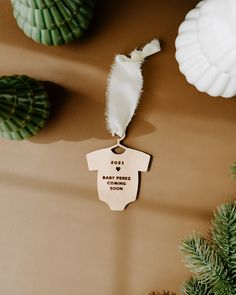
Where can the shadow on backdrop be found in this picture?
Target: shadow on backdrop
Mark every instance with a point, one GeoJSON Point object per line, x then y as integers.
{"type": "Point", "coordinates": [75, 117]}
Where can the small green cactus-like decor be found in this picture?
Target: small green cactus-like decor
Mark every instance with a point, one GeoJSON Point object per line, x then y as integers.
{"type": "Point", "coordinates": [53, 22]}
{"type": "Point", "coordinates": [24, 107]}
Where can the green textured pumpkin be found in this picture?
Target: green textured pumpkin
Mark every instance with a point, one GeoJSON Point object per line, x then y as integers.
{"type": "Point", "coordinates": [24, 107]}
{"type": "Point", "coordinates": [53, 22]}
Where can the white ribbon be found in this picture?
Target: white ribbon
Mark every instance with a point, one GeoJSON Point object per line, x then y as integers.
{"type": "Point", "coordinates": [124, 88]}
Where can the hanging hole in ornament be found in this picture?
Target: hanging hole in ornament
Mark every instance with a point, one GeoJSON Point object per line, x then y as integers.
{"type": "Point", "coordinates": [118, 149]}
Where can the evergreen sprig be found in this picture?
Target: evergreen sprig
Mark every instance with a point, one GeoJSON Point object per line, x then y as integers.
{"type": "Point", "coordinates": [224, 238]}
{"type": "Point", "coordinates": [213, 260]}
{"type": "Point", "coordinates": [233, 169]}
{"type": "Point", "coordinates": [195, 287]}
{"type": "Point", "coordinates": [163, 293]}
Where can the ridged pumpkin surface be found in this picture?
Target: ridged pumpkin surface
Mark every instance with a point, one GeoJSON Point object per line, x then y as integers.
{"type": "Point", "coordinates": [24, 107]}
{"type": "Point", "coordinates": [53, 22]}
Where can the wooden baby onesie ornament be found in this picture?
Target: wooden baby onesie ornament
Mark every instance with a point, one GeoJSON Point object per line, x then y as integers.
{"type": "Point", "coordinates": [118, 173]}
{"type": "Point", "coordinates": [117, 178]}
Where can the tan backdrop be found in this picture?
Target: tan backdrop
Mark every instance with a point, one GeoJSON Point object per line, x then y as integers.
{"type": "Point", "coordinates": [56, 237]}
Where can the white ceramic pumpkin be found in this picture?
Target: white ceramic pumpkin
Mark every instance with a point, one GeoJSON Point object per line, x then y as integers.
{"type": "Point", "coordinates": [206, 47]}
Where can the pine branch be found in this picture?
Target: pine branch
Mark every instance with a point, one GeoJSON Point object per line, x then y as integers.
{"type": "Point", "coordinates": [214, 260]}
{"type": "Point", "coordinates": [233, 169]}
{"type": "Point", "coordinates": [195, 287]}
{"type": "Point", "coordinates": [224, 237]}
{"type": "Point", "coordinates": [202, 259]}
{"type": "Point", "coordinates": [163, 293]}
{"type": "Point", "coordinates": [223, 289]}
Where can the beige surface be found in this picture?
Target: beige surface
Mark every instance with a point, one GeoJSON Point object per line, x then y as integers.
{"type": "Point", "coordinates": [56, 237]}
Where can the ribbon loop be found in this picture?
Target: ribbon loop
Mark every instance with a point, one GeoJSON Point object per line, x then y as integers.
{"type": "Point", "coordinates": [124, 88]}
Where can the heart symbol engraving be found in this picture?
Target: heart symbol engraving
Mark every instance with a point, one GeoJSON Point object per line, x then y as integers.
{"type": "Point", "coordinates": [118, 168]}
